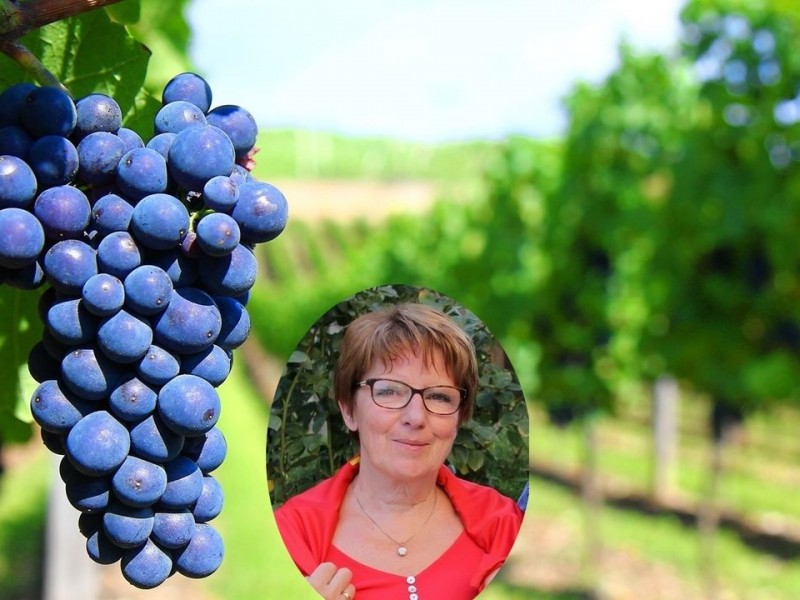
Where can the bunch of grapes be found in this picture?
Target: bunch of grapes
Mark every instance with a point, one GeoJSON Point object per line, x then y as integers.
{"type": "Point", "coordinates": [145, 252]}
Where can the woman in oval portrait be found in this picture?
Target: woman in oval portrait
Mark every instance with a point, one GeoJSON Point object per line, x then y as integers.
{"type": "Point", "coordinates": [417, 496]}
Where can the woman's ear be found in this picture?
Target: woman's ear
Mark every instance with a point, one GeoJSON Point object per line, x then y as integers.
{"type": "Point", "coordinates": [348, 415]}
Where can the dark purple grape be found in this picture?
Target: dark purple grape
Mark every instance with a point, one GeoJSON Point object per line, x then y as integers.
{"type": "Point", "coordinates": [261, 211]}
{"type": "Point", "coordinates": [182, 270]}
{"type": "Point", "coordinates": [49, 111]}
{"type": "Point", "coordinates": [128, 526]}
{"type": "Point", "coordinates": [209, 504]}
{"type": "Point", "coordinates": [201, 556]}
{"type": "Point", "coordinates": [54, 160]}
{"type": "Point", "coordinates": [139, 482]}
{"type": "Point", "coordinates": [17, 183]}
{"type": "Point", "coordinates": [235, 322]}
{"type": "Point", "coordinates": [96, 112]}
{"type": "Point", "coordinates": [159, 221]}
{"type": "Point", "coordinates": [198, 154]}
{"type": "Point", "coordinates": [54, 442]}
{"type": "Point", "coordinates": [21, 238]}
{"type": "Point", "coordinates": [89, 374]}
{"type": "Point", "coordinates": [101, 549]}
{"type": "Point", "coordinates": [217, 234]}
{"type": "Point", "coordinates": [118, 254]}
{"type": "Point", "coordinates": [189, 87]}
{"type": "Point", "coordinates": [190, 323]}
{"type": "Point", "coordinates": [69, 264]}
{"type": "Point", "coordinates": [158, 366]}
{"type": "Point", "coordinates": [173, 529]}
{"type": "Point", "coordinates": [161, 143]}
{"type": "Point", "coordinates": [177, 116]}
{"type": "Point", "coordinates": [231, 275]}
{"type": "Point", "coordinates": [146, 566]}
{"type": "Point", "coordinates": [110, 213]}
{"type": "Point", "coordinates": [103, 295]}
{"type": "Point", "coordinates": [141, 172]}
{"type": "Point", "coordinates": [131, 138]}
{"type": "Point", "coordinates": [124, 337]}
{"type": "Point", "coordinates": [238, 124]}
{"type": "Point", "coordinates": [220, 193]}
{"type": "Point", "coordinates": [97, 444]}
{"type": "Point", "coordinates": [29, 277]}
{"type": "Point", "coordinates": [208, 450]}
{"type": "Point", "coordinates": [152, 440]}
{"type": "Point", "coordinates": [184, 484]}
{"type": "Point", "coordinates": [15, 141]}
{"type": "Point", "coordinates": [148, 289]}
{"type": "Point", "coordinates": [132, 400]}
{"type": "Point", "coordinates": [12, 100]}
{"type": "Point", "coordinates": [212, 364]}
{"type": "Point", "coordinates": [87, 493]}
{"type": "Point", "coordinates": [41, 366]}
{"type": "Point", "coordinates": [189, 405]}
{"type": "Point", "coordinates": [64, 212]}
{"type": "Point", "coordinates": [70, 322]}
{"type": "Point", "coordinates": [57, 410]}
{"type": "Point", "coordinates": [99, 155]}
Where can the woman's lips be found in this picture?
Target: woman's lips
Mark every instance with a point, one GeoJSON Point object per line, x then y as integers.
{"type": "Point", "coordinates": [412, 443]}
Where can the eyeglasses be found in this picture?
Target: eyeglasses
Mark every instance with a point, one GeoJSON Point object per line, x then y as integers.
{"type": "Point", "coordinates": [438, 399]}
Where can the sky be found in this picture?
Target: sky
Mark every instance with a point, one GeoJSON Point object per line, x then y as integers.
{"type": "Point", "coordinates": [424, 70]}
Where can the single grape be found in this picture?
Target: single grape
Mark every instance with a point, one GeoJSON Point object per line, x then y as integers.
{"type": "Point", "coordinates": [54, 160]}
{"type": "Point", "coordinates": [15, 141]}
{"type": "Point", "coordinates": [131, 138]}
{"type": "Point", "coordinates": [159, 221]}
{"type": "Point", "coordinates": [103, 294]}
{"type": "Point", "coordinates": [89, 374]}
{"type": "Point", "coordinates": [96, 112]}
{"type": "Point", "coordinates": [70, 322]}
{"type": "Point", "coordinates": [146, 566]}
{"type": "Point", "coordinates": [64, 212]}
{"type": "Point", "coordinates": [54, 442]}
{"type": "Point", "coordinates": [217, 234]}
{"type": "Point", "coordinates": [209, 504]}
{"type": "Point", "coordinates": [202, 555]}
{"type": "Point", "coordinates": [12, 100]}
{"type": "Point", "coordinates": [21, 238]}
{"type": "Point", "coordinates": [220, 193]}
{"type": "Point", "coordinates": [208, 450]}
{"type": "Point", "coordinates": [17, 183]}
{"type": "Point", "coordinates": [261, 211]}
{"type": "Point", "coordinates": [118, 254]}
{"type": "Point", "coordinates": [158, 366]}
{"type": "Point", "coordinates": [41, 366]}
{"type": "Point", "coordinates": [141, 172]}
{"type": "Point", "coordinates": [235, 322]}
{"type": "Point", "coordinates": [212, 364]}
{"type": "Point", "coordinates": [87, 493]}
{"type": "Point", "coordinates": [184, 484]}
{"type": "Point", "coordinates": [182, 270]}
{"type": "Point", "coordinates": [138, 482]}
{"type": "Point", "coordinates": [101, 549]}
{"type": "Point", "coordinates": [111, 212]}
{"type": "Point", "coordinates": [173, 529]}
{"type": "Point", "coordinates": [132, 400]}
{"type": "Point", "coordinates": [128, 526]}
{"type": "Point", "coordinates": [152, 440]}
{"type": "Point", "coordinates": [231, 275]}
{"type": "Point", "coordinates": [198, 154]}
{"type": "Point", "coordinates": [190, 323]}
{"type": "Point", "coordinates": [189, 405]}
{"type": "Point", "coordinates": [99, 154]}
{"type": "Point", "coordinates": [49, 111]}
{"type": "Point", "coordinates": [238, 124]}
{"type": "Point", "coordinates": [97, 444]}
{"type": "Point", "coordinates": [148, 289]}
{"type": "Point", "coordinates": [189, 87]}
{"type": "Point", "coordinates": [124, 337]}
{"type": "Point", "coordinates": [161, 143]}
{"type": "Point", "coordinates": [177, 116]}
{"type": "Point", "coordinates": [28, 277]}
{"type": "Point", "coordinates": [69, 264]}
{"type": "Point", "coordinates": [56, 409]}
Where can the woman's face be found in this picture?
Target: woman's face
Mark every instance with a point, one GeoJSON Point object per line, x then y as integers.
{"type": "Point", "coordinates": [409, 442]}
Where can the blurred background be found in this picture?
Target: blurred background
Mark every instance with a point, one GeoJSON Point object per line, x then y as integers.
{"type": "Point", "coordinates": [613, 188]}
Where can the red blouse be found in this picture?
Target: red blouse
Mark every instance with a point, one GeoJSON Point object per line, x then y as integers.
{"type": "Point", "coordinates": [491, 523]}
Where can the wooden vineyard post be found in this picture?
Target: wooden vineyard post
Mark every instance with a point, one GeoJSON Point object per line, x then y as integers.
{"type": "Point", "coordinates": [666, 398]}
{"type": "Point", "coordinates": [69, 573]}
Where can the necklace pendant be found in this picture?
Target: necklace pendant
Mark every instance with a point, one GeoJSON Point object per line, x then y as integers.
{"type": "Point", "coordinates": [402, 551]}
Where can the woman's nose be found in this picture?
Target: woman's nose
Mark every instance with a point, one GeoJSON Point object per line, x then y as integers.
{"type": "Point", "coordinates": [415, 410]}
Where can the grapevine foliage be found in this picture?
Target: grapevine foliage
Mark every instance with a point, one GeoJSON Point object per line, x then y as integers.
{"type": "Point", "coordinates": [307, 439]}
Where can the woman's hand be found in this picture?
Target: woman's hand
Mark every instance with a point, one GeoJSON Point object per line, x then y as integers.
{"type": "Point", "coordinates": [332, 583]}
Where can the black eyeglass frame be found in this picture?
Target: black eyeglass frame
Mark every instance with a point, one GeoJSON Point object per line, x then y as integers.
{"type": "Point", "coordinates": [421, 391]}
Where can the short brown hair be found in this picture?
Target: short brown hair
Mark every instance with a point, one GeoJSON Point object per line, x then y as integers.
{"type": "Point", "coordinates": [388, 333]}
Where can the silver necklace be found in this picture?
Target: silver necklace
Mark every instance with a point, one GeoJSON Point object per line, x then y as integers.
{"type": "Point", "coordinates": [402, 547]}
